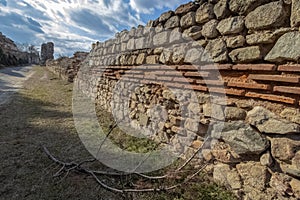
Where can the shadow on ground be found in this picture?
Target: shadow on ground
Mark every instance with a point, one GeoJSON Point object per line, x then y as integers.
{"type": "Point", "coordinates": [39, 115]}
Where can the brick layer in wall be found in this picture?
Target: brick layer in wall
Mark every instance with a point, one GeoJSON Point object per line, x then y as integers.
{"type": "Point", "coordinates": [260, 81]}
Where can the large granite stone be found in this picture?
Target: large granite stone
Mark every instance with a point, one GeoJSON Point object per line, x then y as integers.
{"type": "Point", "coordinates": [246, 54]}
{"type": "Point", "coordinates": [231, 25]}
{"type": "Point", "coordinates": [185, 8]}
{"type": "Point", "coordinates": [227, 177]}
{"type": "Point", "coordinates": [173, 22]}
{"type": "Point", "coordinates": [267, 122]}
{"type": "Point", "coordinates": [253, 174]}
{"type": "Point", "coordinates": [245, 6]}
{"type": "Point", "coordinates": [161, 38]}
{"type": "Point", "coordinates": [284, 149]}
{"type": "Point", "coordinates": [165, 16]}
{"type": "Point", "coordinates": [241, 137]}
{"type": "Point", "coordinates": [192, 33]}
{"type": "Point", "coordinates": [209, 30]}
{"type": "Point", "coordinates": [204, 13]}
{"type": "Point", "coordinates": [221, 9]}
{"type": "Point", "coordinates": [217, 50]}
{"type": "Point", "coordinates": [188, 20]}
{"type": "Point", "coordinates": [235, 41]}
{"type": "Point", "coordinates": [271, 15]}
{"type": "Point", "coordinates": [295, 15]}
{"type": "Point", "coordinates": [286, 48]}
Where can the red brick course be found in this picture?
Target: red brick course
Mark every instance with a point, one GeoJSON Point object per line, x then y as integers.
{"type": "Point", "coordinates": [271, 97]}
{"type": "Point", "coordinates": [276, 78]}
{"type": "Point", "coordinates": [284, 89]}
{"type": "Point", "coordinates": [289, 68]}
{"type": "Point", "coordinates": [256, 67]}
{"type": "Point", "coordinates": [203, 78]}
{"type": "Point", "coordinates": [249, 85]}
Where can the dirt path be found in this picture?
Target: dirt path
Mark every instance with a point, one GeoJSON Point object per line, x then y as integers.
{"type": "Point", "coordinates": [40, 114]}
{"type": "Point", "coordinates": [11, 80]}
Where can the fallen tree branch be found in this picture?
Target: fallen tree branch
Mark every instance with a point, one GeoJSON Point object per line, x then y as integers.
{"type": "Point", "coordinates": [68, 167]}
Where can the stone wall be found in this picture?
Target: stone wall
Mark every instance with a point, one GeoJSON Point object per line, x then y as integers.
{"type": "Point", "coordinates": [66, 67]}
{"type": "Point", "coordinates": [10, 55]}
{"type": "Point", "coordinates": [222, 75]}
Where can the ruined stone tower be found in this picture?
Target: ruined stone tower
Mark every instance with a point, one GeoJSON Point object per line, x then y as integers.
{"type": "Point", "coordinates": [47, 51]}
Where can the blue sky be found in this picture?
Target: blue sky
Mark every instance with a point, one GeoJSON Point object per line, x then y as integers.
{"type": "Point", "coordinates": [75, 24]}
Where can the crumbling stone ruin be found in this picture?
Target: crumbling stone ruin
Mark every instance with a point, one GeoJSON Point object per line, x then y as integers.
{"type": "Point", "coordinates": [224, 73]}
{"type": "Point", "coordinates": [66, 67]}
{"type": "Point", "coordinates": [47, 52]}
{"type": "Point", "coordinates": [10, 55]}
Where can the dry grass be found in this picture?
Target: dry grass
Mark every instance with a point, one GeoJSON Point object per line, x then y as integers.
{"type": "Point", "coordinates": [39, 115]}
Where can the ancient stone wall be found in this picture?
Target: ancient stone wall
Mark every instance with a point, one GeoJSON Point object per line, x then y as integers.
{"type": "Point", "coordinates": [66, 67]}
{"type": "Point", "coordinates": [10, 55]}
{"type": "Point", "coordinates": [222, 75]}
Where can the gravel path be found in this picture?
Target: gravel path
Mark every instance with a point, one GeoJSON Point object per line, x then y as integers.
{"type": "Point", "coordinates": [11, 80]}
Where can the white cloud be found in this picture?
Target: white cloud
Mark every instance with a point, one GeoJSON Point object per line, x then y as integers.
{"type": "Point", "coordinates": [73, 24]}
{"type": "Point", "coordinates": [148, 6]}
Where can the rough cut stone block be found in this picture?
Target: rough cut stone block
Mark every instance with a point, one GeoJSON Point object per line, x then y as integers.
{"type": "Point", "coordinates": [225, 176]}
{"type": "Point", "coordinates": [188, 20]}
{"type": "Point", "coordinates": [193, 56]}
{"type": "Point", "coordinates": [234, 113]}
{"type": "Point", "coordinates": [131, 44]}
{"type": "Point", "coordinates": [268, 16]}
{"type": "Point", "coordinates": [241, 137]}
{"type": "Point", "coordinates": [172, 22]}
{"type": "Point", "coordinates": [217, 50]}
{"type": "Point", "coordinates": [123, 46]}
{"type": "Point", "coordinates": [205, 13]}
{"type": "Point", "coordinates": [152, 59]}
{"type": "Point", "coordinates": [267, 122]}
{"type": "Point", "coordinates": [166, 57]}
{"type": "Point", "coordinates": [254, 174]}
{"type": "Point", "coordinates": [179, 54]}
{"type": "Point", "coordinates": [260, 38]}
{"type": "Point", "coordinates": [131, 33]}
{"type": "Point", "coordinates": [159, 28]}
{"type": "Point", "coordinates": [209, 29]}
{"type": "Point", "coordinates": [245, 6]}
{"type": "Point", "coordinates": [176, 36]}
{"type": "Point", "coordinates": [295, 16]}
{"type": "Point", "coordinates": [286, 48]}
{"type": "Point", "coordinates": [140, 43]}
{"type": "Point", "coordinates": [141, 58]}
{"type": "Point", "coordinates": [284, 149]}
{"type": "Point", "coordinates": [192, 33]}
{"type": "Point", "coordinates": [161, 38]}
{"type": "Point", "coordinates": [185, 8]}
{"type": "Point", "coordinates": [235, 41]}
{"type": "Point", "coordinates": [247, 54]}
{"type": "Point", "coordinates": [139, 32]}
{"type": "Point", "coordinates": [165, 16]}
{"type": "Point", "coordinates": [231, 25]}
{"type": "Point", "coordinates": [221, 9]}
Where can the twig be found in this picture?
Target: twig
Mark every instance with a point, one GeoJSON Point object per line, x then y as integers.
{"type": "Point", "coordinates": [74, 166]}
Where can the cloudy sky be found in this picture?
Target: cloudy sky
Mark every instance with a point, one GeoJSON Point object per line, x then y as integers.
{"type": "Point", "coordinates": [74, 24]}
